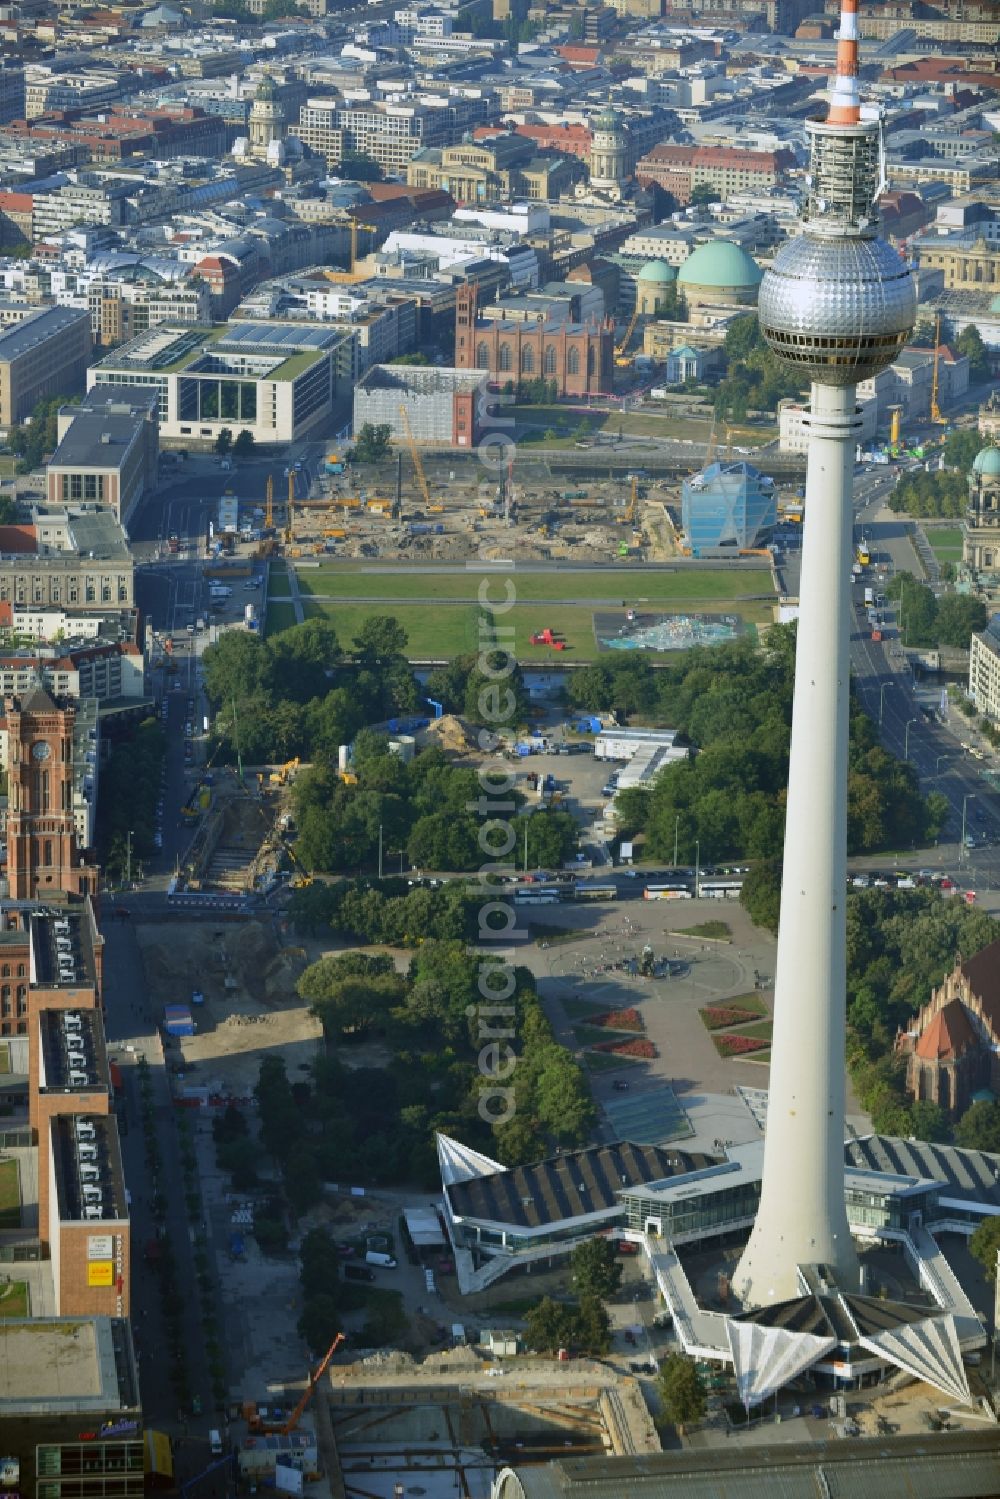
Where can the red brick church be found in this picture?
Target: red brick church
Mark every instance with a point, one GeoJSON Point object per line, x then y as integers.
{"type": "Point", "coordinates": [953, 1045]}
{"type": "Point", "coordinates": [579, 357]}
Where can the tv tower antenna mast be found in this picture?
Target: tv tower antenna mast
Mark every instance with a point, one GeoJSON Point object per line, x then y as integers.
{"type": "Point", "coordinates": [837, 306]}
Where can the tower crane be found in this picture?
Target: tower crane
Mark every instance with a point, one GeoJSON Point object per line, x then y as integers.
{"type": "Point", "coordinates": [935, 388]}
{"type": "Point", "coordinates": [355, 226]}
{"type": "Point", "coordinates": [269, 505]}
{"type": "Point", "coordinates": [290, 507]}
{"type": "Point", "coordinates": [411, 443]}
{"type": "Point", "coordinates": [621, 358]}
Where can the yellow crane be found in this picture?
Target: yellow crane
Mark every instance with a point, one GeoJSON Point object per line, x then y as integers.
{"type": "Point", "coordinates": [355, 226]}
{"type": "Point", "coordinates": [628, 514]}
{"type": "Point", "coordinates": [269, 505]}
{"type": "Point", "coordinates": [621, 358]}
{"type": "Point", "coordinates": [290, 506]}
{"type": "Point", "coordinates": [414, 451]}
{"type": "Point", "coordinates": [935, 388]}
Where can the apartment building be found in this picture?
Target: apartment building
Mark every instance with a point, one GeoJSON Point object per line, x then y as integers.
{"type": "Point", "coordinates": [45, 354]}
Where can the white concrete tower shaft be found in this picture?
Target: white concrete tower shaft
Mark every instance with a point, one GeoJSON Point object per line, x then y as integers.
{"type": "Point", "coordinates": [837, 306]}
{"type": "Point", "coordinates": [802, 1218]}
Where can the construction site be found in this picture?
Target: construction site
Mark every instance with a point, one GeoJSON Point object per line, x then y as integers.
{"type": "Point", "coordinates": [589, 502]}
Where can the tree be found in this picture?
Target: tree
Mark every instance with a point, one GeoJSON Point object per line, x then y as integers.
{"type": "Point", "coordinates": [979, 1127]}
{"type": "Point", "coordinates": [223, 442]}
{"type": "Point", "coordinates": [410, 359]}
{"type": "Point", "coordinates": [379, 640]}
{"type": "Point", "coordinates": [960, 448]}
{"type": "Point", "coordinates": [985, 1245]}
{"type": "Point", "coordinates": [760, 896]}
{"type": "Point", "coordinates": [596, 1271]}
{"type": "Point", "coordinates": [970, 343]}
{"type": "Point", "coordinates": [244, 443]}
{"type": "Point", "coordinates": [743, 337]}
{"type": "Point", "coordinates": [959, 616]}
{"type": "Point", "coordinates": [347, 1004]}
{"type": "Point", "coordinates": [360, 167]}
{"type": "Point", "coordinates": [682, 1391]}
{"type": "Point", "coordinates": [592, 1327]}
{"type": "Point", "coordinates": [548, 1326]}
{"type": "Point", "coordinates": [320, 1322]}
{"type": "Point", "coordinates": [371, 444]}
{"type": "Point", "coordinates": [703, 192]}
{"type": "Point", "coordinates": [319, 1269]}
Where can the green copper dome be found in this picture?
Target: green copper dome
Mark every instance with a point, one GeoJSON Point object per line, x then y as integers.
{"type": "Point", "coordinates": [657, 270]}
{"type": "Point", "coordinates": [720, 263]}
{"type": "Point", "coordinates": [987, 462]}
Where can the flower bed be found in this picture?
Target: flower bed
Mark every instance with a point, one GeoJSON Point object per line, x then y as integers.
{"type": "Point", "coordinates": [715, 1017]}
{"type": "Point", "coordinates": [620, 1020]}
{"type": "Point", "coordinates": [637, 1048]}
{"type": "Point", "coordinates": [739, 1046]}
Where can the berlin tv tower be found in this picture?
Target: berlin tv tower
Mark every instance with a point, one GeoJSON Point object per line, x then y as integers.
{"type": "Point", "coordinates": [837, 306]}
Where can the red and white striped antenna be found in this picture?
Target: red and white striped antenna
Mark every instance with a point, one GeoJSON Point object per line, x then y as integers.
{"type": "Point", "coordinates": [845, 98]}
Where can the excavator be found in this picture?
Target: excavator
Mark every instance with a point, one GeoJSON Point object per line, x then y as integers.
{"type": "Point", "coordinates": [265, 1421]}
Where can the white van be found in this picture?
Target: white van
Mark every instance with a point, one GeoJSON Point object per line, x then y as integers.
{"type": "Point", "coordinates": [215, 1443]}
{"type": "Point", "coordinates": [373, 1257]}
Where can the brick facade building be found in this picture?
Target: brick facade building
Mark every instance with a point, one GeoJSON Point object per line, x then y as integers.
{"type": "Point", "coordinates": [578, 357]}
{"type": "Point", "coordinates": [953, 1045]}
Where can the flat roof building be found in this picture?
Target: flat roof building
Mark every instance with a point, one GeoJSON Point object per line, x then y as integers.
{"type": "Point", "coordinates": [108, 450]}
{"type": "Point", "coordinates": [46, 354]}
{"type": "Point", "coordinates": [442, 407]}
{"type": "Point", "coordinates": [275, 380]}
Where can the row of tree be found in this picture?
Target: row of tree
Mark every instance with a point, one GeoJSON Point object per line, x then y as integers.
{"type": "Point", "coordinates": [126, 808]}
{"type": "Point", "coordinates": [733, 705]}
{"type": "Point", "coordinates": [926, 620]}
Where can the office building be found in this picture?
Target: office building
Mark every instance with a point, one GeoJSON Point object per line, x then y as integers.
{"type": "Point", "coordinates": [727, 508]}
{"type": "Point", "coordinates": [45, 354]}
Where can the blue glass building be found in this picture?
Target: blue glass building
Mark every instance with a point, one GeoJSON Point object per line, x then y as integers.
{"type": "Point", "coordinates": [728, 506]}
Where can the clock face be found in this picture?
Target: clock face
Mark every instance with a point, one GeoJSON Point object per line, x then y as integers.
{"type": "Point", "coordinates": [41, 750]}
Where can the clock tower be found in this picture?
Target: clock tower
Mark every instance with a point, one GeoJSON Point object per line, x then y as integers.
{"type": "Point", "coordinates": [42, 856]}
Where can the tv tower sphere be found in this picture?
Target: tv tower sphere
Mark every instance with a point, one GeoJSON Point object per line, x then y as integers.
{"type": "Point", "coordinates": [837, 306]}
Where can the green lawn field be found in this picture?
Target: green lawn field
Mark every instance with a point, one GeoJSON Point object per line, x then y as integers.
{"type": "Point", "coordinates": [10, 1195]}
{"type": "Point", "coordinates": [280, 616]}
{"type": "Point", "coordinates": [446, 630]}
{"type": "Point", "coordinates": [650, 422]}
{"type": "Point", "coordinates": [945, 542]}
{"type": "Point", "coordinates": [14, 1299]}
{"type": "Point", "coordinates": [707, 588]}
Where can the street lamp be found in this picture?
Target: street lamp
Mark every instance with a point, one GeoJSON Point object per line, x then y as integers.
{"type": "Point", "coordinates": [969, 796]}
{"type": "Point", "coordinates": [906, 737]}
{"type": "Point", "coordinates": [128, 860]}
{"type": "Point", "coordinates": [881, 700]}
{"type": "Point", "coordinates": [937, 763]}
{"type": "Point", "coordinates": [697, 866]}
{"type": "Point", "coordinates": [677, 824]}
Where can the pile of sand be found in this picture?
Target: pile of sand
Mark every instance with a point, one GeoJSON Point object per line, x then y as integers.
{"type": "Point", "coordinates": [447, 733]}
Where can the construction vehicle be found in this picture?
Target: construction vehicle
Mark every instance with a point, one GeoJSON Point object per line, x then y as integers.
{"type": "Point", "coordinates": [285, 773]}
{"type": "Point", "coordinates": [266, 1422]}
{"type": "Point", "coordinates": [622, 359]}
{"type": "Point", "coordinates": [936, 416]}
{"type": "Point", "coordinates": [414, 452]}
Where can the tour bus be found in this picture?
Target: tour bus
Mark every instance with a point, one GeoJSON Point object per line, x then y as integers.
{"type": "Point", "coordinates": [674, 891]}
{"type": "Point", "coordinates": [538, 896]}
{"type": "Point", "coordinates": [726, 888]}
{"type": "Point", "coordinates": [596, 892]}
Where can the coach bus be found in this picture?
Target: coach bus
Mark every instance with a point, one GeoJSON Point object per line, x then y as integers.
{"type": "Point", "coordinates": [726, 887]}
{"type": "Point", "coordinates": [675, 891]}
{"type": "Point", "coordinates": [596, 892]}
{"type": "Point", "coordinates": [542, 895]}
